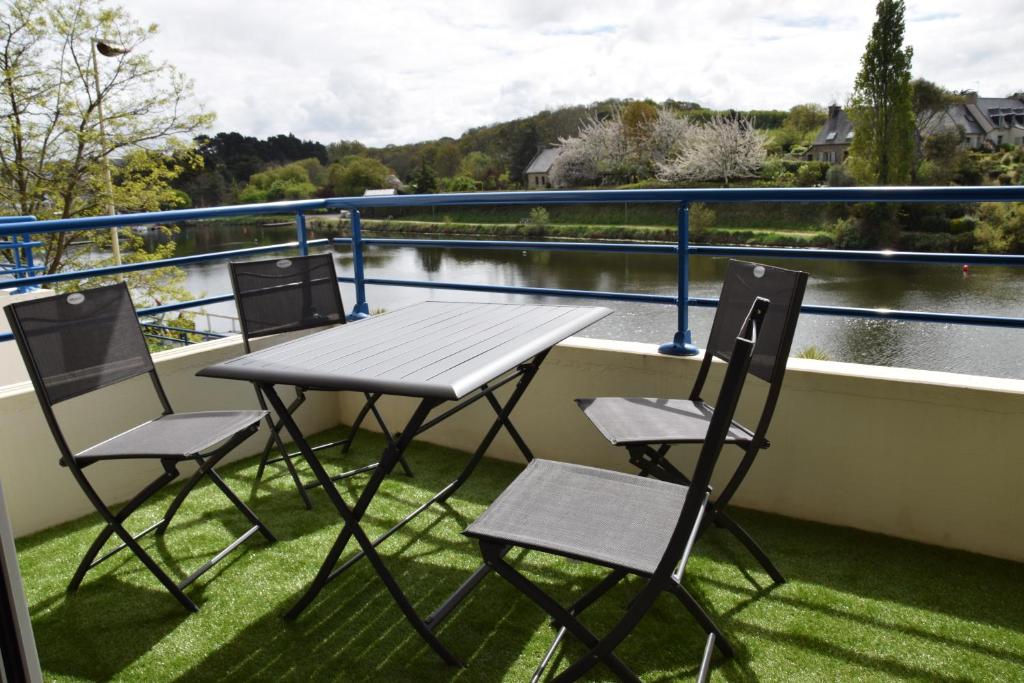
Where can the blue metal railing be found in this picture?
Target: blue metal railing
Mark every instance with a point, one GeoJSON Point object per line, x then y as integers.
{"type": "Point", "coordinates": [682, 198]}
{"type": "Point", "coordinates": [22, 262]}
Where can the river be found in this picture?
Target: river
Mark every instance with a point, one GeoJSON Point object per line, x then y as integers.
{"type": "Point", "coordinates": [988, 351]}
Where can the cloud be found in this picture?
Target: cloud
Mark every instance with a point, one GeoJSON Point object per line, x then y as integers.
{"type": "Point", "coordinates": [395, 72]}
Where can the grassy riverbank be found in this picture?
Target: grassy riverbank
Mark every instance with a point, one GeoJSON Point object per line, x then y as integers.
{"type": "Point", "coordinates": [632, 233]}
{"type": "Point", "coordinates": [797, 225]}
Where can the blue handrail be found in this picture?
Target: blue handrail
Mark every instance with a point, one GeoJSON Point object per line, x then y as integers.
{"type": "Point", "coordinates": [19, 227]}
{"type": "Point", "coordinates": [21, 246]}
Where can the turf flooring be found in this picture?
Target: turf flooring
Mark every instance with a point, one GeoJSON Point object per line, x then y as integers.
{"type": "Point", "coordinates": [857, 606]}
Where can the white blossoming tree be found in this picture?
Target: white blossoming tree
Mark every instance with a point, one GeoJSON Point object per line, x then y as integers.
{"type": "Point", "coordinates": [724, 148]}
{"type": "Point", "coordinates": [611, 151]}
{"type": "Point", "coordinates": [588, 157]}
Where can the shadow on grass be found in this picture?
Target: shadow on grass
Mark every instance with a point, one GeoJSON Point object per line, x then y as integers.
{"type": "Point", "coordinates": [354, 631]}
{"type": "Point", "coordinates": [113, 621]}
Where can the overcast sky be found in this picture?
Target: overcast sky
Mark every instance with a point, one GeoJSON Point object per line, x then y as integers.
{"type": "Point", "coordinates": [383, 71]}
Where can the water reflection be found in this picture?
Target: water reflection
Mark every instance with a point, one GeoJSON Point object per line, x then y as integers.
{"type": "Point", "coordinates": [975, 350]}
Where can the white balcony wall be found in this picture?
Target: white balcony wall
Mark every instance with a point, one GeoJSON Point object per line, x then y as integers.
{"type": "Point", "coordinates": [926, 456]}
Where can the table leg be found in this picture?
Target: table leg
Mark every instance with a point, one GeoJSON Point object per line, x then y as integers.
{"type": "Point", "coordinates": [351, 517]}
{"type": "Point", "coordinates": [530, 371]}
{"type": "Point", "coordinates": [527, 373]}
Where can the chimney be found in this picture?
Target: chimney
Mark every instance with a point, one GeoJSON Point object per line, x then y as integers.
{"type": "Point", "coordinates": [833, 110]}
{"type": "Point", "coordinates": [970, 97]}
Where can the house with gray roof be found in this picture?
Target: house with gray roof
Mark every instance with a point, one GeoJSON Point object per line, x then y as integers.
{"type": "Point", "coordinates": [832, 145]}
{"type": "Point", "coordinates": [984, 121]}
{"type": "Point", "coordinates": [537, 171]}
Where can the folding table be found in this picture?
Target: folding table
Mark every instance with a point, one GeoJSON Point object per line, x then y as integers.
{"type": "Point", "coordinates": [437, 352]}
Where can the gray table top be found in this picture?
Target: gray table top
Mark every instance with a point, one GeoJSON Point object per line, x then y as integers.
{"type": "Point", "coordinates": [434, 349]}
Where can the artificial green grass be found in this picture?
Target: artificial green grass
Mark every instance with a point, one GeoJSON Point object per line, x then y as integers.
{"type": "Point", "coordinates": [857, 606]}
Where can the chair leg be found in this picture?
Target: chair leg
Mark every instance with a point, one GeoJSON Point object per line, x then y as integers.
{"type": "Point", "coordinates": [653, 463]}
{"type": "Point", "coordinates": [242, 507]}
{"type": "Point", "coordinates": [587, 599]}
{"type": "Point", "coordinates": [131, 506]}
{"type": "Point", "coordinates": [129, 541]}
{"type": "Point", "coordinates": [205, 468]}
{"type": "Point", "coordinates": [275, 438]}
{"type": "Point", "coordinates": [720, 518]}
{"type": "Point", "coordinates": [702, 618]}
{"type": "Point", "coordinates": [492, 553]}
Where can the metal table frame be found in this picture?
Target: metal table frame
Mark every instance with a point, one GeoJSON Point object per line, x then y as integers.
{"type": "Point", "coordinates": [522, 374]}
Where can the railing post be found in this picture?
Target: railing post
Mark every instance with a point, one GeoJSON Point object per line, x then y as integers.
{"type": "Point", "coordinates": [361, 309]}
{"type": "Point", "coordinates": [682, 342]}
{"type": "Point", "coordinates": [301, 234]}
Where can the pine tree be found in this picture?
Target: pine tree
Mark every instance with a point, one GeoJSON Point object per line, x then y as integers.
{"type": "Point", "coordinates": [881, 107]}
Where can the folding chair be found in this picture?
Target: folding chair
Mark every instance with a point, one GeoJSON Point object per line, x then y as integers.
{"type": "Point", "coordinates": [286, 295]}
{"type": "Point", "coordinates": [77, 343]}
{"type": "Point", "coordinates": [648, 427]}
{"type": "Point", "coordinates": [631, 525]}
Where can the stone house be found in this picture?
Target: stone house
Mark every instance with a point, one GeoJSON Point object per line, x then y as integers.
{"type": "Point", "coordinates": [537, 171]}
{"type": "Point", "coordinates": [832, 145]}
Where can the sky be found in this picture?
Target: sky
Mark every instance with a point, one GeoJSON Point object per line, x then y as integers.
{"type": "Point", "coordinates": [388, 72]}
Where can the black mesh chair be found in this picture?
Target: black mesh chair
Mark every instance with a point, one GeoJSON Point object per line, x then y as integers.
{"type": "Point", "coordinates": [648, 427]}
{"type": "Point", "coordinates": [632, 525]}
{"type": "Point", "coordinates": [286, 295]}
{"type": "Point", "coordinates": [76, 343]}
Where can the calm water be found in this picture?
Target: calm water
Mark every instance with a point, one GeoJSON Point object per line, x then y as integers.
{"type": "Point", "coordinates": [973, 350]}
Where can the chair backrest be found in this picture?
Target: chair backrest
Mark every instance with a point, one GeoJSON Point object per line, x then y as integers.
{"type": "Point", "coordinates": [76, 343]}
{"type": "Point", "coordinates": [286, 294]}
{"type": "Point", "coordinates": [741, 356]}
{"type": "Point", "coordinates": [744, 282]}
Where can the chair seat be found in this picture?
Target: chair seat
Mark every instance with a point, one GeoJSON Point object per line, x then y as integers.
{"type": "Point", "coordinates": [611, 518]}
{"type": "Point", "coordinates": [627, 421]}
{"type": "Point", "coordinates": [178, 435]}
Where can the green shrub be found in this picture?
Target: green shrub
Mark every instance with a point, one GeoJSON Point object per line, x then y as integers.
{"type": "Point", "coordinates": [990, 239]}
{"type": "Point", "coordinates": [838, 176]}
{"type": "Point", "coordinates": [772, 168]}
{"type": "Point", "coordinates": [813, 353]}
{"type": "Point", "coordinates": [963, 224]}
{"type": "Point", "coordinates": [538, 216]}
{"type": "Point", "coordinates": [811, 173]}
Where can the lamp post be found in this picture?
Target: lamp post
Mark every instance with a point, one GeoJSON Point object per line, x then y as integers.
{"type": "Point", "coordinates": [107, 50]}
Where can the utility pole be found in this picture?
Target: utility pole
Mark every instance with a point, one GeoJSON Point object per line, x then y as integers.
{"type": "Point", "coordinates": [107, 50]}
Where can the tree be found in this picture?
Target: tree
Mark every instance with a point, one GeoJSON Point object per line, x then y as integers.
{"type": "Point", "coordinates": [724, 148]}
{"type": "Point", "coordinates": [609, 150]}
{"type": "Point", "coordinates": [52, 151]}
{"type": "Point", "coordinates": [356, 175]}
{"type": "Point", "coordinates": [805, 118]}
{"type": "Point", "coordinates": [446, 158]}
{"type": "Point", "coordinates": [799, 127]}
{"type": "Point", "coordinates": [459, 183]}
{"type": "Point", "coordinates": [930, 102]}
{"type": "Point", "coordinates": [482, 168]}
{"type": "Point", "coordinates": [336, 151]}
{"type": "Point", "coordinates": [425, 180]}
{"type": "Point", "coordinates": [277, 184]}
{"type": "Point", "coordinates": [590, 155]}
{"type": "Point", "coordinates": [881, 107]}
